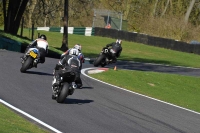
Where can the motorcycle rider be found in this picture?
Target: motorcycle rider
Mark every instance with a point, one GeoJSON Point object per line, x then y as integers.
{"type": "Point", "coordinates": [115, 49]}
{"type": "Point", "coordinates": [42, 45]}
{"type": "Point", "coordinates": [69, 62]}
{"type": "Point", "coordinates": [80, 57]}
{"type": "Point", "coordinates": [80, 54]}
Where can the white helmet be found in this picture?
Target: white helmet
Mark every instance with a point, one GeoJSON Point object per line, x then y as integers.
{"type": "Point", "coordinates": [119, 41]}
{"type": "Point", "coordinates": [73, 51]}
{"type": "Point", "coordinates": [77, 46]}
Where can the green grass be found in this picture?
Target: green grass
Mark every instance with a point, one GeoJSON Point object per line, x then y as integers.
{"type": "Point", "coordinates": [10, 122]}
{"type": "Point", "coordinates": [92, 45]}
{"type": "Point", "coordinates": [180, 90]}
{"type": "Point", "coordinates": [176, 89]}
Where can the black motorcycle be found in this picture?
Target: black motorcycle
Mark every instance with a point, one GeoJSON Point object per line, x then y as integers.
{"type": "Point", "coordinates": [30, 59]}
{"type": "Point", "coordinates": [104, 58]}
{"type": "Point", "coordinates": [65, 87]}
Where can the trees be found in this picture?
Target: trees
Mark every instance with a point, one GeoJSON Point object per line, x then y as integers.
{"type": "Point", "coordinates": [141, 15]}
{"type": "Point", "coordinates": [13, 11]}
{"type": "Point", "coordinates": [29, 12]}
{"type": "Point", "coordinates": [1, 14]}
{"type": "Point", "coordinates": [64, 46]}
{"type": "Point", "coordinates": [44, 13]}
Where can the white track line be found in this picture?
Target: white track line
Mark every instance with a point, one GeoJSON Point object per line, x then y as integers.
{"type": "Point", "coordinates": [31, 117]}
{"type": "Point", "coordinates": [84, 70]}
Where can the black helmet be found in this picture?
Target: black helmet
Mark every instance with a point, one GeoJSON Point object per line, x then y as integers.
{"type": "Point", "coordinates": [43, 37]}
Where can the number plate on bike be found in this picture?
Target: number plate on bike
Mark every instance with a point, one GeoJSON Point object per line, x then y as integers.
{"type": "Point", "coordinates": [34, 55]}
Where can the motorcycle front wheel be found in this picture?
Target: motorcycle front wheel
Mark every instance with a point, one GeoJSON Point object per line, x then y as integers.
{"type": "Point", "coordinates": [98, 60]}
{"type": "Point", "coordinates": [26, 64]}
{"type": "Point", "coordinates": [63, 93]}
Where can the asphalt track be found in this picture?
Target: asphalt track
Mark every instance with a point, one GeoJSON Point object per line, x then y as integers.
{"type": "Point", "coordinates": [98, 107]}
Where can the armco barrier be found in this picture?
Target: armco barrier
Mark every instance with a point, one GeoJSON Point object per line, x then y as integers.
{"type": "Point", "coordinates": [87, 31]}
{"type": "Point", "coordinates": [55, 29]}
{"type": "Point", "coordinates": [9, 44]}
{"type": "Point", "coordinates": [148, 40]}
{"type": "Point", "coordinates": [79, 31]}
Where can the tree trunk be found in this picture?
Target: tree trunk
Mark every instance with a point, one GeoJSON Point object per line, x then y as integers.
{"type": "Point", "coordinates": [154, 11]}
{"type": "Point", "coordinates": [163, 13]}
{"type": "Point", "coordinates": [45, 21]}
{"type": "Point", "coordinates": [13, 15]}
{"type": "Point", "coordinates": [189, 10]}
{"type": "Point", "coordinates": [64, 46]}
{"type": "Point", "coordinates": [19, 15]}
{"type": "Point", "coordinates": [4, 15]}
{"type": "Point", "coordinates": [127, 9]}
{"type": "Point", "coordinates": [31, 9]}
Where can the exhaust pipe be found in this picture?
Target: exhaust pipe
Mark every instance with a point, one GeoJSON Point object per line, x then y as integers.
{"type": "Point", "coordinates": [74, 86]}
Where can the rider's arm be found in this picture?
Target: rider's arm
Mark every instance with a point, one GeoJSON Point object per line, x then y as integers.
{"type": "Point", "coordinates": [110, 44]}
{"type": "Point", "coordinates": [32, 44]}
{"type": "Point", "coordinates": [81, 57]}
{"type": "Point", "coordinates": [60, 64]}
{"type": "Point", "coordinates": [63, 55]}
{"type": "Point", "coordinates": [47, 49]}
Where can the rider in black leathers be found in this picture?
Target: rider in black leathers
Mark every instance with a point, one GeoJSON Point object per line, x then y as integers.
{"type": "Point", "coordinates": [115, 50]}
{"type": "Point", "coordinates": [69, 62]}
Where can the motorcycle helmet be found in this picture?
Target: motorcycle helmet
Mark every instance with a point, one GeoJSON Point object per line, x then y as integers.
{"type": "Point", "coordinates": [78, 47]}
{"type": "Point", "coordinates": [73, 51]}
{"type": "Point", "coordinates": [119, 41]}
{"type": "Point", "coordinates": [43, 37]}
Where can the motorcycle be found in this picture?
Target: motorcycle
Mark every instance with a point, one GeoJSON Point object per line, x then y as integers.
{"type": "Point", "coordinates": [104, 58]}
{"type": "Point", "coordinates": [65, 87]}
{"type": "Point", "coordinates": [30, 59]}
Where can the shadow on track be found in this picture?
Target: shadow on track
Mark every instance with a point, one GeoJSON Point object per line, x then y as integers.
{"type": "Point", "coordinates": [86, 88]}
{"type": "Point", "coordinates": [38, 73]}
{"type": "Point", "coordinates": [76, 101]}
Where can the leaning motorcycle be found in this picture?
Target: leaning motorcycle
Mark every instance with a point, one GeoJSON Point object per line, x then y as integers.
{"type": "Point", "coordinates": [30, 59]}
{"type": "Point", "coordinates": [104, 58]}
{"type": "Point", "coordinates": [65, 87]}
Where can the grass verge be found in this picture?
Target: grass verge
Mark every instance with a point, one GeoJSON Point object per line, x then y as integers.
{"type": "Point", "coordinates": [180, 90]}
{"type": "Point", "coordinates": [10, 122]}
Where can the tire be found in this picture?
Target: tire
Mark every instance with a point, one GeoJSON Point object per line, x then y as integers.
{"type": "Point", "coordinates": [102, 65]}
{"type": "Point", "coordinates": [53, 97]}
{"type": "Point", "coordinates": [26, 64]}
{"type": "Point", "coordinates": [98, 60]}
{"type": "Point", "coordinates": [63, 94]}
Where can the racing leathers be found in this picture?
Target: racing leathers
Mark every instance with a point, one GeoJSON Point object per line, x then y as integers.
{"type": "Point", "coordinates": [115, 50]}
{"type": "Point", "coordinates": [80, 56]}
{"type": "Point", "coordinates": [68, 62]}
{"type": "Point", "coordinates": [42, 46]}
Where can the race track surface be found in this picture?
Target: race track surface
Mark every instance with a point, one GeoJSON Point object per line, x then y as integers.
{"type": "Point", "coordinates": [97, 108]}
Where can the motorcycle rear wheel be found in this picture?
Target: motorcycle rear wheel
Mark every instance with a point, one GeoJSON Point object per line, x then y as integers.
{"type": "Point", "coordinates": [63, 93]}
{"type": "Point", "coordinates": [98, 60]}
{"type": "Point", "coordinates": [26, 64]}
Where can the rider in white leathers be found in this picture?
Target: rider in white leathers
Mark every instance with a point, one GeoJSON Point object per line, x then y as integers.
{"type": "Point", "coordinates": [42, 45]}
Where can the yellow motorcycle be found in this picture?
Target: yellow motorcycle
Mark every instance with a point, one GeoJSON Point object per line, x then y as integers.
{"type": "Point", "coordinates": [30, 59]}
